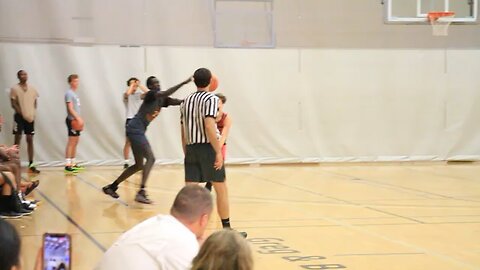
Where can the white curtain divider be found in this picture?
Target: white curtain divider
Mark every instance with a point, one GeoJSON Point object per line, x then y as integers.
{"type": "Point", "coordinates": [287, 105]}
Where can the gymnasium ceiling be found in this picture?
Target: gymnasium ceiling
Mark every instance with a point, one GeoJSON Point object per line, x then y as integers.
{"type": "Point", "coordinates": [297, 23]}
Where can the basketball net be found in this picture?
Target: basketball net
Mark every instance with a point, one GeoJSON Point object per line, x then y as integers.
{"type": "Point", "coordinates": [440, 21]}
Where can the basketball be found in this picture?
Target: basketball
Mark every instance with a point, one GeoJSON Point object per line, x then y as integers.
{"type": "Point", "coordinates": [76, 125]}
{"type": "Point", "coordinates": [213, 83]}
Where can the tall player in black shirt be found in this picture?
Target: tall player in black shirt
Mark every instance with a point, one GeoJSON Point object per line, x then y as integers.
{"type": "Point", "coordinates": [153, 102]}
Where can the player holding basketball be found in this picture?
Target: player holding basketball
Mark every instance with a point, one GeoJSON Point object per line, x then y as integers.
{"type": "Point", "coordinates": [23, 97]}
{"type": "Point", "coordinates": [72, 102]}
{"type": "Point", "coordinates": [133, 100]}
{"type": "Point", "coordinates": [203, 152]}
{"type": "Point", "coordinates": [224, 123]}
{"type": "Point", "coordinates": [153, 102]}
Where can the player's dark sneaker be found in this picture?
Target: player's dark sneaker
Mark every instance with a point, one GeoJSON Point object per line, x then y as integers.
{"type": "Point", "coordinates": [20, 208]}
{"type": "Point", "coordinates": [69, 170]}
{"type": "Point", "coordinates": [112, 191]}
{"type": "Point", "coordinates": [10, 205]}
{"type": "Point", "coordinates": [35, 202]}
{"type": "Point", "coordinates": [208, 186]}
{"type": "Point", "coordinates": [78, 167]}
{"type": "Point", "coordinates": [141, 197]}
{"type": "Point", "coordinates": [33, 169]}
{"type": "Point", "coordinates": [243, 234]}
{"type": "Point", "coordinates": [25, 212]}
{"type": "Point", "coordinates": [125, 166]}
{"type": "Point", "coordinates": [10, 215]}
{"type": "Point", "coordinates": [28, 205]}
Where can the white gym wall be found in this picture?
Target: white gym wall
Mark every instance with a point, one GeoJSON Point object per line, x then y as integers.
{"type": "Point", "coordinates": [340, 86]}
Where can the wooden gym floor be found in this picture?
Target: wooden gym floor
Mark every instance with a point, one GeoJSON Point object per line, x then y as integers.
{"type": "Point", "coordinates": [354, 216]}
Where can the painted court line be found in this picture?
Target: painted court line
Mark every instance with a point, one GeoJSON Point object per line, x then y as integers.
{"type": "Point", "coordinates": [402, 187]}
{"type": "Point", "coordinates": [370, 182]}
{"type": "Point", "coordinates": [395, 215]}
{"type": "Point", "coordinates": [346, 202]}
{"type": "Point", "coordinates": [363, 230]}
{"type": "Point", "coordinates": [71, 220]}
{"type": "Point", "coordinates": [380, 254]}
{"type": "Point", "coordinates": [137, 186]}
{"type": "Point", "coordinates": [100, 190]}
{"type": "Point", "coordinates": [420, 249]}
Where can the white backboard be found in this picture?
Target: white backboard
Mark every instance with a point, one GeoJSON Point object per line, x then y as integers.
{"type": "Point", "coordinates": [416, 11]}
{"type": "Point", "coordinates": [243, 23]}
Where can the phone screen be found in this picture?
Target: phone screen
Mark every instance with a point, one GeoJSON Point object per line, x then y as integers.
{"type": "Point", "coordinates": [56, 251]}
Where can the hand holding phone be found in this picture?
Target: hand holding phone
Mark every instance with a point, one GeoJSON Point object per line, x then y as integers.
{"type": "Point", "coordinates": [56, 251]}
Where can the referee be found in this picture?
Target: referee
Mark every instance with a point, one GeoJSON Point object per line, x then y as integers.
{"type": "Point", "coordinates": [203, 152]}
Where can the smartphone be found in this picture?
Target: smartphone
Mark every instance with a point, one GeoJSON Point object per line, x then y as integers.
{"type": "Point", "coordinates": [57, 251]}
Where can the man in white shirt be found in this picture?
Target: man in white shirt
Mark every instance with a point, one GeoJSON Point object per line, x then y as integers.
{"type": "Point", "coordinates": [164, 242]}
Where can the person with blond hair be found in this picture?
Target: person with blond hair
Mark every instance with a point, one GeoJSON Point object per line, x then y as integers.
{"type": "Point", "coordinates": [224, 249]}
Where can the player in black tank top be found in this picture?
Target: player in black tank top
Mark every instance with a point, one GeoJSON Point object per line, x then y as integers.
{"type": "Point", "coordinates": [153, 102]}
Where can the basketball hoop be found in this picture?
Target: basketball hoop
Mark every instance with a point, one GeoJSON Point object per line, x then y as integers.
{"type": "Point", "coordinates": [440, 22]}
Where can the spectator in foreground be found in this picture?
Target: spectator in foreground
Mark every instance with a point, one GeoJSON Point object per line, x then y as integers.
{"type": "Point", "coordinates": [9, 247]}
{"type": "Point", "coordinates": [164, 241]}
{"type": "Point", "coordinates": [224, 249]}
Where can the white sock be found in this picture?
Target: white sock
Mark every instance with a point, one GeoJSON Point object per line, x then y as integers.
{"type": "Point", "coordinates": [74, 161]}
{"type": "Point", "coordinates": [126, 161]}
{"type": "Point", "coordinates": [68, 161]}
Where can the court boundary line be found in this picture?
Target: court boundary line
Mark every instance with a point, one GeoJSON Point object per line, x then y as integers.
{"type": "Point", "coordinates": [370, 181]}
{"type": "Point", "coordinates": [359, 229]}
{"type": "Point", "coordinates": [124, 203]}
{"type": "Point", "coordinates": [73, 222]}
{"type": "Point", "coordinates": [380, 254]}
{"type": "Point", "coordinates": [345, 202]}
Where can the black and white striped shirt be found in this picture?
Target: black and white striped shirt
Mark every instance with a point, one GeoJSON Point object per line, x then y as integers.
{"type": "Point", "coordinates": [194, 110]}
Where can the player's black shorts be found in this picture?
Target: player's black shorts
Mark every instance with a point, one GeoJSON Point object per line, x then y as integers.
{"type": "Point", "coordinates": [199, 160]}
{"type": "Point", "coordinates": [126, 123]}
{"type": "Point", "coordinates": [23, 126]}
{"type": "Point", "coordinates": [140, 145]}
{"type": "Point", "coordinates": [71, 131]}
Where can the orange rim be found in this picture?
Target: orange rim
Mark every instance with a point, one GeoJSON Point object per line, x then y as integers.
{"type": "Point", "coordinates": [433, 16]}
